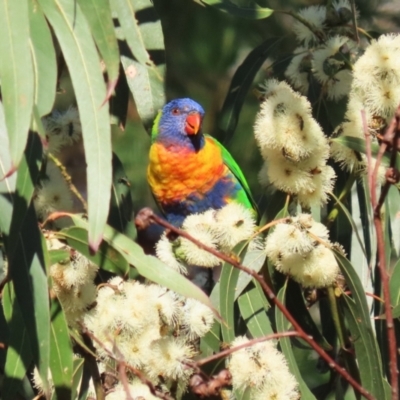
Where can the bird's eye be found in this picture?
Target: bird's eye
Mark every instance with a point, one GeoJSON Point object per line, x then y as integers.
{"type": "Point", "coordinates": [175, 111]}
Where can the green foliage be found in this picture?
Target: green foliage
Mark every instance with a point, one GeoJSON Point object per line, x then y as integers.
{"type": "Point", "coordinates": [108, 58]}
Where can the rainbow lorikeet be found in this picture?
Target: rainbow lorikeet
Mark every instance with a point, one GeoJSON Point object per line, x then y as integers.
{"type": "Point", "coordinates": [190, 172]}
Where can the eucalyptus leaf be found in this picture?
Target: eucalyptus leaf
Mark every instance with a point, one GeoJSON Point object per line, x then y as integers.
{"type": "Point", "coordinates": [79, 50]}
{"type": "Point", "coordinates": [28, 273]}
{"type": "Point", "coordinates": [98, 15]}
{"type": "Point", "coordinates": [394, 285]}
{"type": "Point", "coordinates": [253, 11]}
{"type": "Point", "coordinates": [282, 325]}
{"type": "Point", "coordinates": [61, 354]}
{"type": "Point", "coordinates": [142, 55]}
{"type": "Point", "coordinates": [253, 310]}
{"type": "Point", "coordinates": [44, 56]}
{"type": "Point", "coordinates": [357, 315]}
{"type": "Point", "coordinates": [228, 281]}
{"type": "Point", "coordinates": [356, 144]}
{"type": "Point", "coordinates": [8, 184]}
{"type": "Point", "coordinates": [19, 356]}
{"type": "Point", "coordinates": [16, 74]}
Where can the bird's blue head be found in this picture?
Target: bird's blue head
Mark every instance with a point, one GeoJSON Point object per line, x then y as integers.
{"type": "Point", "coordinates": [179, 123]}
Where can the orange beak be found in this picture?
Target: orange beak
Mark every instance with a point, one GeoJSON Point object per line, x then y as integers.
{"type": "Point", "coordinates": [193, 122]}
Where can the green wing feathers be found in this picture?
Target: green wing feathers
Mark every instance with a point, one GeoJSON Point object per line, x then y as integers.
{"type": "Point", "coordinates": [235, 169]}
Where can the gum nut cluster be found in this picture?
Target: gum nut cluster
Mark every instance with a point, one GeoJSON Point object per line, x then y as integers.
{"type": "Point", "coordinates": [73, 285]}
{"type": "Point", "coordinates": [375, 94]}
{"type": "Point", "coordinates": [301, 249]}
{"type": "Point", "coordinates": [53, 193]}
{"type": "Point", "coordinates": [219, 229]}
{"type": "Point", "coordinates": [262, 370]}
{"type": "Point", "coordinates": [154, 329]}
{"type": "Point", "coordinates": [293, 146]}
{"type": "Point", "coordinates": [63, 128]}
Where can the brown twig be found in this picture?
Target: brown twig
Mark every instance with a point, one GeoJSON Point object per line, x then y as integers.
{"type": "Point", "coordinates": [250, 343]}
{"type": "Point", "coordinates": [391, 135]}
{"type": "Point", "coordinates": [271, 295]}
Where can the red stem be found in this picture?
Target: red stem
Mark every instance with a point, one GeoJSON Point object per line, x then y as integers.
{"type": "Point", "coordinates": [390, 136]}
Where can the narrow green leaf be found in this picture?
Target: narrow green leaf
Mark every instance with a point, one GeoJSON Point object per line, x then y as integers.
{"type": "Point", "coordinates": [28, 273]}
{"type": "Point", "coordinates": [16, 74]}
{"type": "Point", "coordinates": [147, 88]}
{"type": "Point", "coordinates": [296, 305]}
{"type": "Point", "coordinates": [358, 316]}
{"type": "Point", "coordinates": [126, 11]}
{"type": "Point", "coordinates": [356, 144]}
{"type": "Point", "coordinates": [366, 216]}
{"type": "Point", "coordinates": [253, 259]}
{"type": "Point", "coordinates": [396, 311]}
{"type": "Point", "coordinates": [77, 376]}
{"type": "Point", "coordinates": [27, 174]}
{"type": "Point", "coordinates": [240, 84]}
{"type": "Point", "coordinates": [7, 185]}
{"type": "Point", "coordinates": [282, 325]}
{"type": "Point", "coordinates": [58, 256]}
{"type": "Point", "coordinates": [253, 310]}
{"type": "Point", "coordinates": [252, 12]}
{"type": "Point", "coordinates": [19, 354]}
{"type": "Point", "coordinates": [106, 258]}
{"type": "Point", "coordinates": [368, 360]}
{"type": "Point", "coordinates": [393, 208]}
{"type": "Point", "coordinates": [98, 15]}
{"type": "Point", "coordinates": [148, 266]}
{"type": "Point", "coordinates": [210, 343]}
{"type": "Point", "coordinates": [121, 206]}
{"type": "Point", "coordinates": [61, 354]}
{"type": "Point", "coordinates": [352, 223]}
{"type": "Point", "coordinates": [79, 50]}
{"type": "Point", "coordinates": [228, 280]}
{"type": "Point", "coordinates": [143, 57]}
{"type": "Point", "coordinates": [394, 285]}
{"type": "Point", "coordinates": [43, 58]}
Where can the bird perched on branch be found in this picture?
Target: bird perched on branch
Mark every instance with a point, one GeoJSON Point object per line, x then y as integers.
{"type": "Point", "coordinates": [190, 172]}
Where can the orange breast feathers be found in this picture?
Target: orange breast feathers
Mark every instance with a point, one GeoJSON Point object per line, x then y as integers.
{"type": "Point", "coordinates": [173, 175]}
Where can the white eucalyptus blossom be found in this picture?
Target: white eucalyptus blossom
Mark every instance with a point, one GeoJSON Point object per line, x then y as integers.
{"type": "Point", "coordinates": [73, 285]}
{"type": "Point", "coordinates": [136, 389]}
{"type": "Point", "coordinates": [167, 359]}
{"type": "Point", "coordinates": [234, 223]}
{"type": "Point", "coordinates": [315, 16]}
{"type": "Point", "coordinates": [263, 370]}
{"type": "Point", "coordinates": [376, 76]}
{"type": "Point", "coordinates": [293, 146]}
{"type": "Point", "coordinates": [301, 248]}
{"type": "Point", "coordinates": [330, 66]}
{"type": "Point", "coordinates": [197, 318]}
{"type": "Point", "coordinates": [165, 251]}
{"type": "Point", "coordinates": [154, 329]}
{"type": "Point", "coordinates": [299, 68]}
